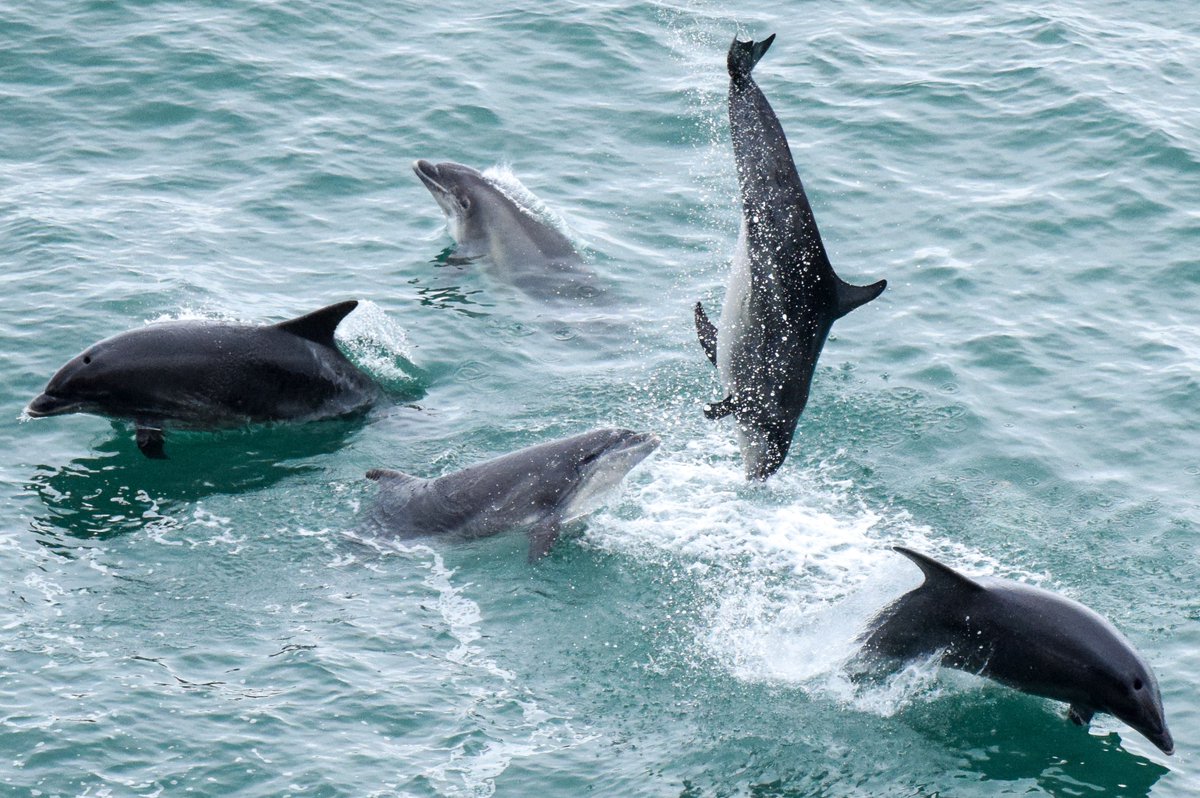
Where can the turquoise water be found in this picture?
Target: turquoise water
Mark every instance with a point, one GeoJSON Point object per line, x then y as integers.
{"type": "Point", "coordinates": [1023, 400]}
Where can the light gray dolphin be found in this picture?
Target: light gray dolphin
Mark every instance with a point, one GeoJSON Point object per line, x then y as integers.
{"type": "Point", "coordinates": [486, 222]}
{"type": "Point", "coordinates": [539, 488]}
{"type": "Point", "coordinates": [1024, 637]}
{"type": "Point", "coordinates": [211, 375]}
{"type": "Point", "coordinates": [783, 296]}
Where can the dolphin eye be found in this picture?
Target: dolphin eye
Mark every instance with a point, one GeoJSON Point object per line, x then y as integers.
{"type": "Point", "coordinates": [87, 360]}
{"type": "Point", "coordinates": [1137, 684]}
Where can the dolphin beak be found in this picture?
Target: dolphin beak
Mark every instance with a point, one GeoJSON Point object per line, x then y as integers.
{"type": "Point", "coordinates": [1163, 740]}
{"type": "Point", "coordinates": [645, 442]}
{"type": "Point", "coordinates": [428, 173]}
{"type": "Point", "coordinates": [49, 405]}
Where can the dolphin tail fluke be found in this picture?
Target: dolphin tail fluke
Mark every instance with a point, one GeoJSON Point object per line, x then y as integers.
{"type": "Point", "coordinates": [706, 332]}
{"type": "Point", "coordinates": [744, 55]}
{"type": "Point", "coordinates": [850, 297]}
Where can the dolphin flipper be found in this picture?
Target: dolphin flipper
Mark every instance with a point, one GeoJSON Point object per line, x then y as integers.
{"type": "Point", "coordinates": [542, 537]}
{"type": "Point", "coordinates": [1080, 716]}
{"type": "Point", "coordinates": [150, 442]}
{"type": "Point", "coordinates": [716, 410]}
{"type": "Point", "coordinates": [706, 331]}
{"type": "Point", "coordinates": [850, 297]}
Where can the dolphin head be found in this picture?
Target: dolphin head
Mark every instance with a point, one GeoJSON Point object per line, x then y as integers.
{"type": "Point", "coordinates": [81, 386]}
{"type": "Point", "coordinates": [600, 459]}
{"type": "Point", "coordinates": [765, 431]}
{"type": "Point", "coordinates": [120, 377]}
{"type": "Point", "coordinates": [457, 190]}
{"type": "Point", "coordinates": [1130, 692]}
{"type": "Point", "coordinates": [764, 448]}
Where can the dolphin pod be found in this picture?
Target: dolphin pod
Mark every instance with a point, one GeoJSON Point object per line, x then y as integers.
{"type": "Point", "coordinates": [1024, 637]}
{"type": "Point", "coordinates": [539, 488]}
{"type": "Point", "coordinates": [781, 302]}
{"type": "Point", "coordinates": [783, 296]}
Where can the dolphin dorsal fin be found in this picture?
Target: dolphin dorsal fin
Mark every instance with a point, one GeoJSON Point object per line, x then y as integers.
{"type": "Point", "coordinates": [938, 575]}
{"type": "Point", "coordinates": [388, 475]}
{"type": "Point", "coordinates": [850, 297]}
{"type": "Point", "coordinates": [319, 325]}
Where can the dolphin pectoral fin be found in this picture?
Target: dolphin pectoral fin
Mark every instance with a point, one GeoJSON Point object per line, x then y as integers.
{"type": "Point", "coordinates": [1080, 716]}
{"type": "Point", "coordinates": [150, 441]}
{"type": "Point", "coordinates": [542, 537]}
{"type": "Point", "coordinates": [706, 332]}
{"type": "Point", "coordinates": [716, 410]}
{"type": "Point", "coordinates": [850, 297]}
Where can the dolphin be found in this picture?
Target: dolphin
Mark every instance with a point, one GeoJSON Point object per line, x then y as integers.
{"type": "Point", "coordinates": [486, 222]}
{"type": "Point", "coordinates": [540, 488]}
{"type": "Point", "coordinates": [209, 375]}
{"type": "Point", "coordinates": [1025, 637]}
{"type": "Point", "coordinates": [783, 295]}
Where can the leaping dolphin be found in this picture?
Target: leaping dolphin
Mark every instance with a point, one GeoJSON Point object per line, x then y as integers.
{"type": "Point", "coordinates": [212, 375]}
{"type": "Point", "coordinates": [783, 296]}
{"type": "Point", "coordinates": [539, 488]}
{"type": "Point", "coordinates": [486, 222]}
{"type": "Point", "coordinates": [1024, 637]}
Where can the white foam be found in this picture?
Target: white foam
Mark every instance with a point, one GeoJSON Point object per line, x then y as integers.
{"type": "Point", "coordinates": [379, 345]}
{"type": "Point", "coordinates": [507, 183]}
{"type": "Point", "coordinates": [790, 571]}
{"type": "Point", "coordinates": [471, 770]}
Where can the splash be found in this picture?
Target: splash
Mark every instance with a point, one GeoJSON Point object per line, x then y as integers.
{"type": "Point", "coordinates": [380, 346]}
{"type": "Point", "coordinates": [790, 573]}
{"type": "Point", "coordinates": [507, 183]}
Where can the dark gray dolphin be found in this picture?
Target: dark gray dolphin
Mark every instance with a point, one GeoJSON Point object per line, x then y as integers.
{"type": "Point", "coordinates": [1024, 637]}
{"type": "Point", "coordinates": [783, 296]}
{"type": "Point", "coordinates": [539, 488]}
{"type": "Point", "coordinates": [486, 222]}
{"type": "Point", "coordinates": [212, 375]}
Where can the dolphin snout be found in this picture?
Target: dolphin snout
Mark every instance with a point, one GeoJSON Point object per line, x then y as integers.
{"type": "Point", "coordinates": [644, 443]}
{"type": "Point", "coordinates": [426, 170]}
{"type": "Point", "coordinates": [648, 439]}
{"type": "Point", "coordinates": [1164, 741]}
{"type": "Point", "coordinates": [47, 404]}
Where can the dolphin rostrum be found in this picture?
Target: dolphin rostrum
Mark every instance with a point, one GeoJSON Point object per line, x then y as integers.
{"type": "Point", "coordinates": [487, 222]}
{"type": "Point", "coordinates": [199, 374]}
{"type": "Point", "coordinates": [1025, 637]}
{"type": "Point", "coordinates": [540, 488]}
{"type": "Point", "coordinates": [783, 295]}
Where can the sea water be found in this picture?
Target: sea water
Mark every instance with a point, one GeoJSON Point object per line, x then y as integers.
{"type": "Point", "coordinates": [1023, 400]}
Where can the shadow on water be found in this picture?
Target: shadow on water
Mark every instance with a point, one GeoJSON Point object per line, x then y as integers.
{"type": "Point", "coordinates": [116, 490]}
{"type": "Point", "coordinates": [1010, 737]}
